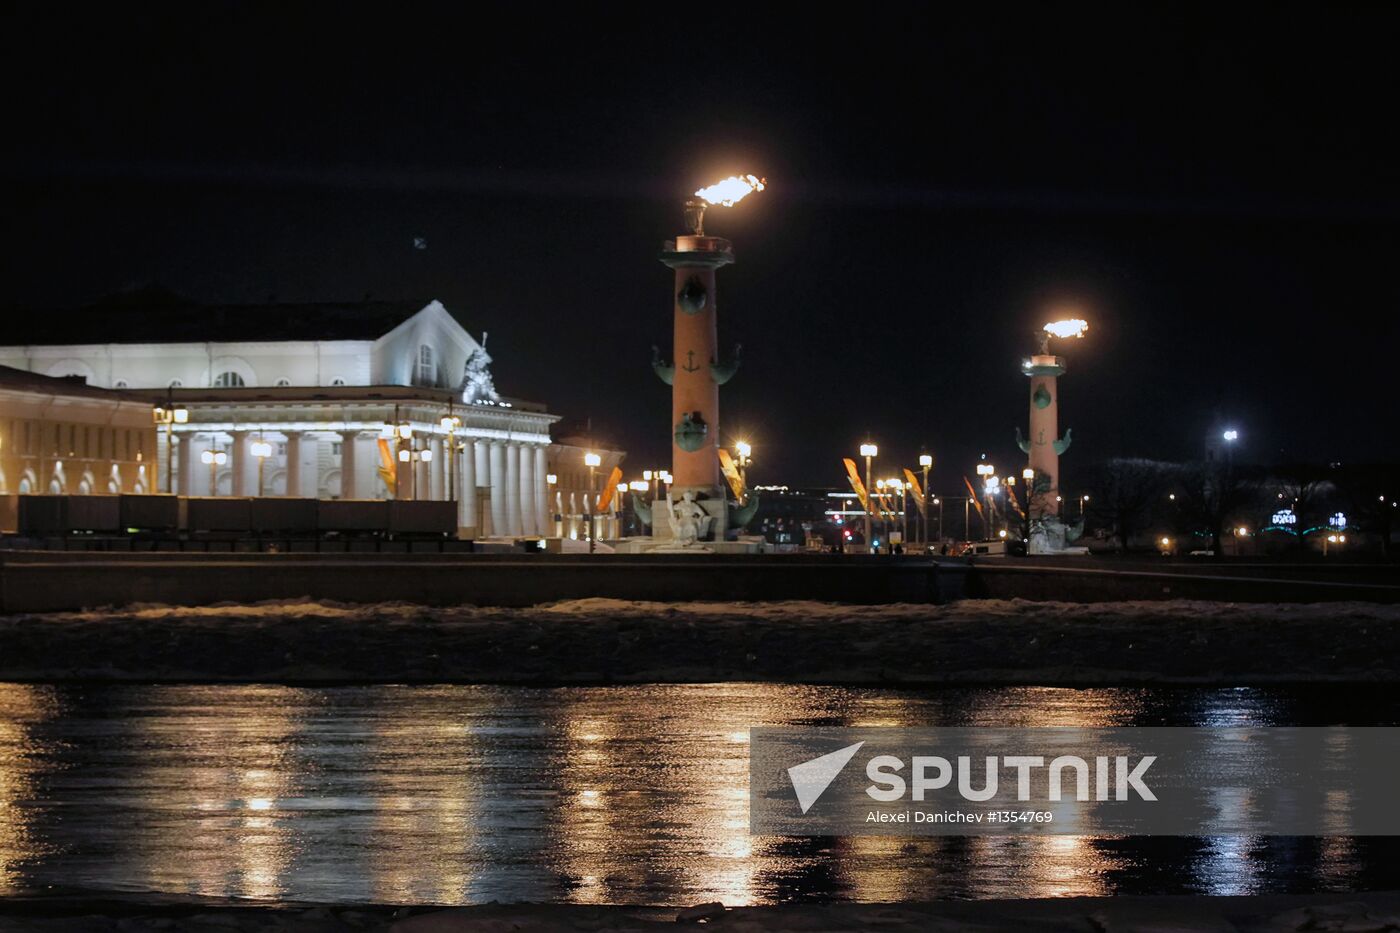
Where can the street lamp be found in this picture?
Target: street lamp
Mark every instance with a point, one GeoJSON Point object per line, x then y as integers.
{"type": "Point", "coordinates": [413, 458]}
{"type": "Point", "coordinates": [988, 474]}
{"type": "Point", "coordinates": [925, 464]}
{"type": "Point", "coordinates": [170, 416]}
{"type": "Point", "coordinates": [1028, 475]}
{"type": "Point", "coordinates": [592, 461]}
{"type": "Point", "coordinates": [869, 452]}
{"type": "Point", "coordinates": [214, 459]}
{"type": "Point", "coordinates": [262, 450]}
{"type": "Point", "coordinates": [450, 423]}
{"type": "Point", "coordinates": [744, 457]}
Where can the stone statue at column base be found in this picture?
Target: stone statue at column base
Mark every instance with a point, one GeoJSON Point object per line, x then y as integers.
{"type": "Point", "coordinates": [1051, 536]}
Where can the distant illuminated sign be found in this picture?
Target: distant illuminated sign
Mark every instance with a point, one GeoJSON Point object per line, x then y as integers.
{"type": "Point", "coordinates": [1285, 517]}
{"type": "Point", "coordinates": [1338, 521]}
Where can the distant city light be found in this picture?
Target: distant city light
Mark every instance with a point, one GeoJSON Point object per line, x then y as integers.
{"type": "Point", "coordinates": [925, 460]}
{"type": "Point", "coordinates": [869, 450]}
{"type": "Point", "coordinates": [1231, 435]}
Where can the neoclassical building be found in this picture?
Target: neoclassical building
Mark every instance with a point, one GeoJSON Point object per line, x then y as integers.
{"type": "Point", "coordinates": [62, 436]}
{"type": "Point", "coordinates": [366, 400]}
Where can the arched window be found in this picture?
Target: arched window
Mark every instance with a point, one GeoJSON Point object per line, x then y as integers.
{"type": "Point", "coordinates": [228, 379]}
{"type": "Point", "coordinates": [427, 367]}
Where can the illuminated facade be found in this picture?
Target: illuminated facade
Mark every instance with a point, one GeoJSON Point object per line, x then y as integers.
{"type": "Point", "coordinates": [61, 436]}
{"type": "Point", "coordinates": [370, 400]}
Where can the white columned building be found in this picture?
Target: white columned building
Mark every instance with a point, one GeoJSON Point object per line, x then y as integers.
{"type": "Point", "coordinates": [337, 392]}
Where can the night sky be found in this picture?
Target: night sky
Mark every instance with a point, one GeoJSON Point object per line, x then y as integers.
{"type": "Point", "coordinates": [1217, 192]}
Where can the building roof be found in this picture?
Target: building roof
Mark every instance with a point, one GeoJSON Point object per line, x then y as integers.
{"type": "Point", "coordinates": [156, 315]}
{"type": "Point", "coordinates": [22, 380]}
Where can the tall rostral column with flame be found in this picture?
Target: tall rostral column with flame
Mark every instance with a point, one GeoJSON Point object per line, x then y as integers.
{"type": "Point", "coordinates": [1045, 445]}
{"type": "Point", "coordinates": [697, 371]}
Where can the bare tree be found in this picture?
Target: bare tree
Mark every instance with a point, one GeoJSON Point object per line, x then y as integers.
{"type": "Point", "coordinates": [1212, 493]}
{"type": "Point", "coordinates": [1372, 496]}
{"type": "Point", "coordinates": [1124, 492]}
{"type": "Point", "coordinates": [1305, 488]}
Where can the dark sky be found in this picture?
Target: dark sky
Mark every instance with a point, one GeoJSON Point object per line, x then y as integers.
{"type": "Point", "coordinates": [1215, 191]}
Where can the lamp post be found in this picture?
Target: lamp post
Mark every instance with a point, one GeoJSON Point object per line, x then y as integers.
{"type": "Point", "coordinates": [869, 452]}
{"type": "Point", "coordinates": [592, 461]}
{"type": "Point", "coordinates": [898, 486]}
{"type": "Point", "coordinates": [413, 457]}
{"type": "Point", "coordinates": [450, 424]}
{"type": "Point", "coordinates": [744, 456]}
{"type": "Point", "coordinates": [551, 480]}
{"type": "Point", "coordinates": [1028, 475]}
{"type": "Point", "coordinates": [1230, 436]}
{"type": "Point", "coordinates": [214, 459]}
{"type": "Point", "coordinates": [988, 473]}
{"type": "Point", "coordinates": [925, 464]}
{"type": "Point", "coordinates": [169, 416]}
{"type": "Point", "coordinates": [262, 450]}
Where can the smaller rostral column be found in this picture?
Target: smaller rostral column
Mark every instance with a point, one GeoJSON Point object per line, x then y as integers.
{"type": "Point", "coordinates": [696, 370]}
{"type": "Point", "coordinates": [1045, 445]}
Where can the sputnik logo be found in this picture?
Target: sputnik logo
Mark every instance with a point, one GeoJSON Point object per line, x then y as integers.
{"type": "Point", "coordinates": [811, 778]}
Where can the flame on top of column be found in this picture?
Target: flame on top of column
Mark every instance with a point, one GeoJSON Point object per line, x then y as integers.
{"type": "Point", "coordinates": [731, 191]}
{"type": "Point", "coordinates": [1070, 328]}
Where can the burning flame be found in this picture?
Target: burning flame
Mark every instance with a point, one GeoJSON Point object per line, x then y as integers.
{"type": "Point", "coordinates": [730, 191]}
{"type": "Point", "coordinates": [1062, 329]}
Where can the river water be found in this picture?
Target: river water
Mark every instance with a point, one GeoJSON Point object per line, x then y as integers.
{"type": "Point", "coordinates": [467, 794]}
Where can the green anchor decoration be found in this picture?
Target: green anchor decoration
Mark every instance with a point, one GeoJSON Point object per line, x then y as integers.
{"type": "Point", "coordinates": [1060, 446]}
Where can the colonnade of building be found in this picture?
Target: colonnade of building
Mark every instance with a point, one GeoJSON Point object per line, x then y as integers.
{"type": "Point", "coordinates": [501, 485]}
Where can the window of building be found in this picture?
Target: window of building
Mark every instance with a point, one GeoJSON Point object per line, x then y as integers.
{"type": "Point", "coordinates": [228, 380]}
{"type": "Point", "coordinates": [335, 448]}
{"type": "Point", "coordinates": [284, 381]}
{"type": "Point", "coordinates": [427, 367]}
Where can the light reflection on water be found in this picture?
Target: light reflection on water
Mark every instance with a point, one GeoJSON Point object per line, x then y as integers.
{"type": "Point", "coordinates": [460, 794]}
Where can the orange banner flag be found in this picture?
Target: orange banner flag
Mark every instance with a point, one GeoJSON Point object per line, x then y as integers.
{"type": "Point", "coordinates": [854, 476]}
{"type": "Point", "coordinates": [976, 503]}
{"type": "Point", "coordinates": [388, 467]}
{"type": "Point", "coordinates": [913, 482]}
{"type": "Point", "coordinates": [731, 473]}
{"type": "Point", "coordinates": [610, 487]}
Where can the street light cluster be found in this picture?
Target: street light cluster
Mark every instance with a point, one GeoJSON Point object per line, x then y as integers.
{"type": "Point", "coordinates": [878, 488]}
